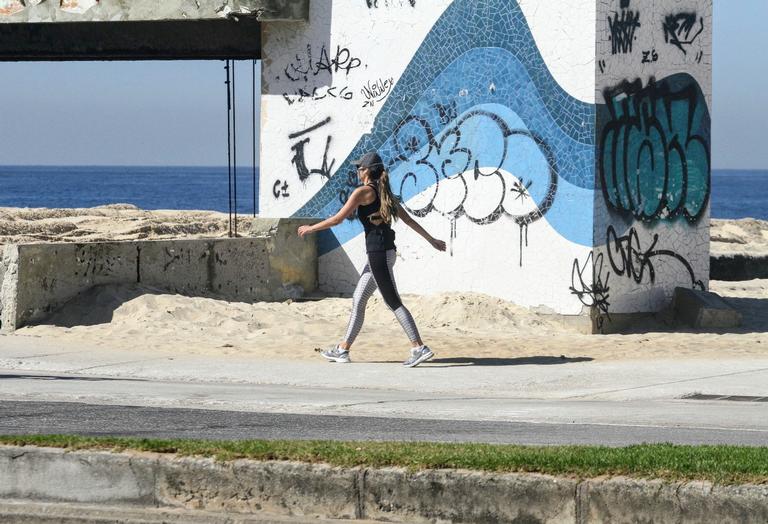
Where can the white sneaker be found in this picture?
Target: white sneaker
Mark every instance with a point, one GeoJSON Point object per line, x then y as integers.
{"type": "Point", "coordinates": [336, 354]}
{"type": "Point", "coordinates": [418, 355]}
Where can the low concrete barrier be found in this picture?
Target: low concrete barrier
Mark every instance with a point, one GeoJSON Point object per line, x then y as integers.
{"type": "Point", "coordinates": [244, 487]}
{"type": "Point", "coordinates": [737, 267]}
{"type": "Point", "coordinates": [273, 264]}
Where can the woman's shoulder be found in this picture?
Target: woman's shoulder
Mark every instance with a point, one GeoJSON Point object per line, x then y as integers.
{"type": "Point", "coordinates": [366, 194]}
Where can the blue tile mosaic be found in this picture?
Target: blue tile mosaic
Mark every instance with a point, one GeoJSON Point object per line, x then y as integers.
{"type": "Point", "coordinates": [479, 52]}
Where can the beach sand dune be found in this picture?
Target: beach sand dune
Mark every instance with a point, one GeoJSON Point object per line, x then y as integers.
{"type": "Point", "coordinates": [111, 222]}
{"type": "Point", "coordinates": [457, 325]}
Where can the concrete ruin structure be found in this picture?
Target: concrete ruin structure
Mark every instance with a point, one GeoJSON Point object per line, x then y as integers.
{"type": "Point", "coordinates": [270, 263]}
{"type": "Point", "coordinates": [562, 149]}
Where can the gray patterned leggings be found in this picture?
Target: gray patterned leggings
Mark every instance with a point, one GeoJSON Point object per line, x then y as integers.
{"type": "Point", "coordinates": [378, 274]}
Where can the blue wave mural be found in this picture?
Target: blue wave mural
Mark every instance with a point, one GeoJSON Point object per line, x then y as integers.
{"type": "Point", "coordinates": [480, 58]}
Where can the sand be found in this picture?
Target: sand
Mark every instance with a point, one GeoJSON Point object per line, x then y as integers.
{"type": "Point", "coordinates": [127, 222]}
{"type": "Point", "coordinates": [456, 325]}
{"type": "Point", "coordinates": [746, 236]}
{"type": "Point", "coordinates": [111, 222]}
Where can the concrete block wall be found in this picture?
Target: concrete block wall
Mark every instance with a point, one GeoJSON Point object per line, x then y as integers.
{"type": "Point", "coordinates": [36, 279]}
{"type": "Point", "coordinates": [490, 115]}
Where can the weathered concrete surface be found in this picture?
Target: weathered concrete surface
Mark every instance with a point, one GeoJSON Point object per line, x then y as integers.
{"type": "Point", "coordinates": [9, 280]}
{"type": "Point", "coordinates": [274, 264]}
{"type": "Point", "coordinates": [243, 486]}
{"type": "Point", "coordinates": [25, 512]}
{"type": "Point", "coordinates": [394, 495]}
{"type": "Point", "coordinates": [737, 267]}
{"type": "Point", "coordinates": [139, 29]}
{"type": "Point", "coordinates": [35, 11]}
{"type": "Point", "coordinates": [620, 500]}
{"type": "Point", "coordinates": [704, 309]}
{"type": "Point", "coordinates": [53, 475]}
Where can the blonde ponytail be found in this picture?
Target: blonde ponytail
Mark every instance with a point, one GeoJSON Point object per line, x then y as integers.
{"type": "Point", "coordinates": [388, 208]}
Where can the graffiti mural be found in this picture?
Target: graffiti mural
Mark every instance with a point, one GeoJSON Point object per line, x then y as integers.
{"type": "Point", "coordinates": [559, 180]}
{"type": "Point", "coordinates": [654, 155]}
{"type": "Point", "coordinates": [478, 143]}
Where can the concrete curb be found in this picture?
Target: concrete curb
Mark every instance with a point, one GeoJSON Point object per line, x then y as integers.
{"type": "Point", "coordinates": [314, 491]}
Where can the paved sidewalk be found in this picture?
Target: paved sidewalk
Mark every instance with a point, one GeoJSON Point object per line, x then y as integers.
{"type": "Point", "coordinates": [528, 390]}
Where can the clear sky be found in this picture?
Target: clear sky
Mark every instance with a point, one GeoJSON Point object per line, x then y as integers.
{"type": "Point", "coordinates": [174, 113]}
{"type": "Point", "coordinates": [122, 113]}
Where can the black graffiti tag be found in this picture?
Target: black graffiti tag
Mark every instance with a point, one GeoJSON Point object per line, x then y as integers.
{"type": "Point", "coordinates": [622, 27]}
{"type": "Point", "coordinates": [377, 91]}
{"type": "Point", "coordinates": [650, 56]}
{"type": "Point", "coordinates": [678, 29]}
{"type": "Point", "coordinates": [280, 188]}
{"type": "Point", "coordinates": [299, 158]}
{"type": "Point", "coordinates": [304, 67]}
{"type": "Point", "coordinates": [300, 95]}
{"type": "Point", "coordinates": [628, 258]}
{"type": "Point", "coordinates": [375, 3]}
{"type": "Point", "coordinates": [597, 293]}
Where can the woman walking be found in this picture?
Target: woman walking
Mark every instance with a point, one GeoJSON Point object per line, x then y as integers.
{"type": "Point", "coordinates": [376, 208]}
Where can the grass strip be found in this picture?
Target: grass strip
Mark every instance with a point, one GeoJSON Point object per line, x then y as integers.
{"type": "Point", "coordinates": [717, 464]}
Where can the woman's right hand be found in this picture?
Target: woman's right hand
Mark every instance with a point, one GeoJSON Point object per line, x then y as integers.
{"type": "Point", "coordinates": [438, 244]}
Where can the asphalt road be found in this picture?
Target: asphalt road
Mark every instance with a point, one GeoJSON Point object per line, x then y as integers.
{"type": "Point", "coordinates": [55, 386]}
{"type": "Point", "coordinates": [134, 421]}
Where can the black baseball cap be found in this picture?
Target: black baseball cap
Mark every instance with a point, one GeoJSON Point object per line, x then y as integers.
{"type": "Point", "coordinates": [370, 160]}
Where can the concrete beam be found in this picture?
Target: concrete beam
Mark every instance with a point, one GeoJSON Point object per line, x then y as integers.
{"type": "Point", "coordinates": [40, 11]}
{"type": "Point", "coordinates": [160, 40]}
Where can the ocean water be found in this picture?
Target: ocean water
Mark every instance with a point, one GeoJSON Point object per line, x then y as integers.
{"type": "Point", "coordinates": [739, 194]}
{"type": "Point", "coordinates": [145, 187]}
{"type": "Point", "coordinates": [735, 193]}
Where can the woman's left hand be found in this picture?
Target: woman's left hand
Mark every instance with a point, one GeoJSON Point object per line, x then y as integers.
{"type": "Point", "coordinates": [304, 230]}
{"type": "Point", "coordinates": [438, 244]}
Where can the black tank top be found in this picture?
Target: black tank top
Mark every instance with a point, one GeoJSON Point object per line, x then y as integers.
{"type": "Point", "coordinates": [378, 236]}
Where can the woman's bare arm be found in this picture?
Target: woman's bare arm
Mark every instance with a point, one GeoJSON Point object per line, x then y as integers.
{"type": "Point", "coordinates": [359, 196]}
{"type": "Point", "coordinates": [408, 219]}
